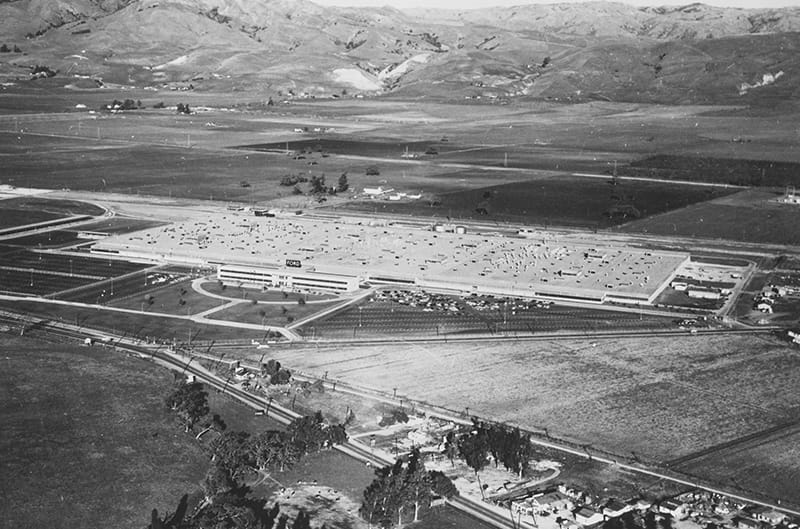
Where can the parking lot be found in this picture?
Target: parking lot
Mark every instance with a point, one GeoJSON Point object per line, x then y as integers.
{"type": "Point", "coordinates": [23, 271]}
{"type": "Point", "coordinates": [419, 313]}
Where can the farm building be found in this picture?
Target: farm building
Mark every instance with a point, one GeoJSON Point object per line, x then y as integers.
{"type": "Point", "coordinates": [339, 254]}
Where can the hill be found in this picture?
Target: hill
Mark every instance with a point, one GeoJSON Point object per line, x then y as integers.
{"type": "Point", "coordinates": [694, 53]}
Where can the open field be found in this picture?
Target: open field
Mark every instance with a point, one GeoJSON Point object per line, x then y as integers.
{"type": "Point", "coordinates": [146, 152]}
{"type": "Point", "coordinates": [766, 464]}
{"type": "Point", "coordinates": [556, 199]}
{"type": "Point", "coordinates": [749, 216]}
{"type": "Point", "coordinates": [118, 224]}
{"type": "Point", "coordinates": [726, 171]}
{"type": "Point", "coordinates": [32, 209]}
{"type": "Point", "coordinates": [661, 398]}
{"type": "Point", "coordinates": [86, 434]}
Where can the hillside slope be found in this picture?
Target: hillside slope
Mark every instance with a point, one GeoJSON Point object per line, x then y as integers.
{"type": "Point", "coordinates": [694, 53]}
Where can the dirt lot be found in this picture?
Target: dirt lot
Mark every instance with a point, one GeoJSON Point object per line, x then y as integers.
{"type": "Point", "coordinates": [660, 398]}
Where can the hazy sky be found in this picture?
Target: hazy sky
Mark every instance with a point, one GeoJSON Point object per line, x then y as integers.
{"type": "Point", "coordinates": [469, 4]}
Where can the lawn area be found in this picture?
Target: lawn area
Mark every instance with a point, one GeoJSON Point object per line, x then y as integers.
{"type": "Point", "coordinates": [243, 292]}
{"type": "Point", "coordinates": [87, 441]}
{"type": "Point", "coordinates": [269, 314]}
{"type": "Point", "coordinates": [177, 298]}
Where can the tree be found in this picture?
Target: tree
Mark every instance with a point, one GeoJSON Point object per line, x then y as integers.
{"type": "Point", "coordinates": [302, 520]}
{"type": "Point", "coordinates": [275, 449]}
{"type": "Point", "coordinates": [183, 109]}
{"type": "Point", "coordinates": [318, 185]}
{"type": "Point", "coordinates": [442, 486]}
{"type": "Point", "coordinates": [451, 447]}
{"type": "Point", "coordinates": [270, 367]}
{"type": "Point", "coordinates": [190, 401]}
{"type": "Point", "coordinates": [342, 184]}
{"type": "Point", "coordinates": [233, 451]}
{"type": "Point", "coordinates": [218, 481]}
{"type": "Point", "coordinates": [474, 450]}
{"type": "Point", "coordinates": [402, 488]}
{"type": "Point", "coordinates": [307, 433]}
{"type": "Point", "coordinates": [282, 376]}
{"type": "Point", "coordinates": [418, 482]}
{"type": "Point", "coordinates": [4, 49]}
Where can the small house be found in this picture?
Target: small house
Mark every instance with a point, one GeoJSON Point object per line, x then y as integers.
{"type": "Point", "coordinates": [587, 516]}
{"type": "Point", "coordinates": [674, 508]}
{"type": "Point", "coordinates": [616, 508]}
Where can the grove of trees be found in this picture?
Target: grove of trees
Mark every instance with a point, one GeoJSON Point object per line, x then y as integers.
{"type": "Point", "coordinates": [506, 445]}
{"type": "Point", "coordinates": [225, 501]}
{"type": "Point", "coordinates": [403, 493]}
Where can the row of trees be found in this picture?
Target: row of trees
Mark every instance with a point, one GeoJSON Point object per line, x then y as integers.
{"type": "Point", "coordinates": [317, 184]}
{"type": "Point", "coordinates": [5, 49]}
{"type": "Point", "coordinates": [403, 492]}
{"type": "Point", "coordinates": [476, 443]}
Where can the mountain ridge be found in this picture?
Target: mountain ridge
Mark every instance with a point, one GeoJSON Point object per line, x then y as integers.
{"type": "Point", "coordinates": [693, 53]}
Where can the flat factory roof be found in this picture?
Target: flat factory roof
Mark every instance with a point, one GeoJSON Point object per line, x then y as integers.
{"type": "Point", "coordinates": [348, 248]}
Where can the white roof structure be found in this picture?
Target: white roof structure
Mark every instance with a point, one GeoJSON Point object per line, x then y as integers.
{"type": "Point", "coordinates": [461, 261]}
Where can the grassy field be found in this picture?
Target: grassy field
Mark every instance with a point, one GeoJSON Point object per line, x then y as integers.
{"type": "Point", "coordinates": [87, 439]}
{"type": "Point", "coordinates": [660, 398]}
{"type": "Point", "coordinates": [29, 210]}
{"type": "Point", "coordinates": [49, 239]}
{"type": "Point", "coordinates": [177, 298]}
{"type": "Point", "coordinates": [748, 216]}
{"type": "Point", "coordinates": [554, 200]}
{"type": "Point", "coordinates": [238, 292]}
{"type": "Point", "coordinates": [145, 152]}
{"type": "Point", "coordinates": [269, 314]}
